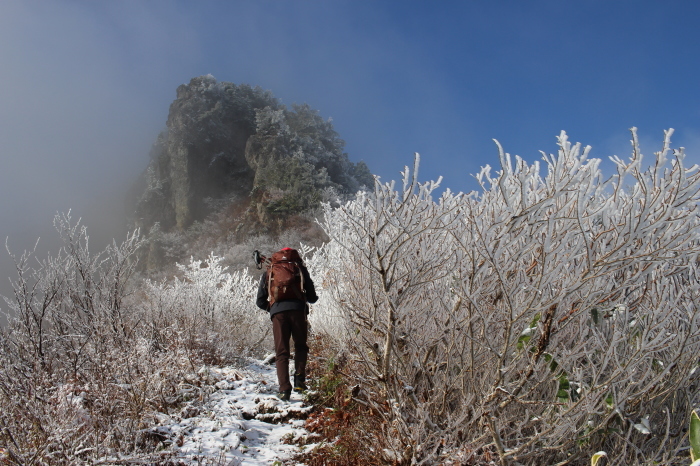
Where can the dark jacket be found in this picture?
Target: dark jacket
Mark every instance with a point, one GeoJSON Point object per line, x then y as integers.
{"type": "Point", "coordinates": [287, 304]}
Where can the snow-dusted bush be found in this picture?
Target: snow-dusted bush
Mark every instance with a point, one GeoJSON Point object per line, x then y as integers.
{"type": "Point", "coordinates": [75, 375]}
{"type": "Point", "coordinates": [89, 359]}
{"type": "Point", "coordinates": [540, 320]}
{"type": "Point", "coordinates": [213, 307]}
{"type": "Point", "coordinates": [73, 302]}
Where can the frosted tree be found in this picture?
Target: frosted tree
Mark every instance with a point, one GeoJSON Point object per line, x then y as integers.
{"type": "Point", "coordinates": [540, 320]}
{"type": "Point", "coordinates": [90, 356]}
{"type": "Point", "coordinates": [208, 299]}
{"type": "Point", "coordinates": [70, 333]}
{"type": "Point", "coordinates": [68, 301]}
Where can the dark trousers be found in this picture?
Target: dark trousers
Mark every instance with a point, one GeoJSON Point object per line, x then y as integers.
{"type": "Point", "coordinates": [284, 325]}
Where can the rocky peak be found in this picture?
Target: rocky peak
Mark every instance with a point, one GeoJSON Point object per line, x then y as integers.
{"type": "Point", "coordinates": [228, 141]}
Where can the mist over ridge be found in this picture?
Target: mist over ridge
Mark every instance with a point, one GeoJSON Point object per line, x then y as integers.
{"type": "Point", "coordinates": [236, 142]}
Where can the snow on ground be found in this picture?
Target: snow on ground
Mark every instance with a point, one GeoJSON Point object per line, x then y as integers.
{"type": "Point", "coordinates": [242, 422]}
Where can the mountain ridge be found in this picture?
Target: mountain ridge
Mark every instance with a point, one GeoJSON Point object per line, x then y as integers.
{"type": "Point", "coordinates": [238, 143]}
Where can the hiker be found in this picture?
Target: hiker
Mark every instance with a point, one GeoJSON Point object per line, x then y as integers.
{"type": "Point", "coordinates": [284, 291]}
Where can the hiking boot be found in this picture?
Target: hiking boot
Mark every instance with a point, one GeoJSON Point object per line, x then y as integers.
{"type": "Point", "coordinates": [299, 383]}
{"type": "Point", "coordinates": [285, 395]}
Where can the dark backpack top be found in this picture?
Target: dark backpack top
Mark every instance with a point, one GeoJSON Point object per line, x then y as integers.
{"type": "Point", "coordinates": [284, 277]}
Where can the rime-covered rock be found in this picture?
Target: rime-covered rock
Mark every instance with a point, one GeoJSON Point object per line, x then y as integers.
{"type": "Point", "coordinates": [201, 154]}
{"type": "Point", "coordinates": [224, 142]}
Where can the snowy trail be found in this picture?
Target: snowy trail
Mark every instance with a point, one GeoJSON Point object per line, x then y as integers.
{"type": "Point", "coordinates": [241, 423]}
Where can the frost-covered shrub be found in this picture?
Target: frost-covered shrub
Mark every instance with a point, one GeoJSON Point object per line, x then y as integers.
{"type": "Point", "coordinates": [538, 321]}
{"type": "Point", "coordinates": [327, 315]}
{"type": "Point", "coordinates": [70, 303]}
{"type": "Point", "coordinates": [86, 362]}
{"type": "Point", "coordinates": [216, 309]}
{"type": "Point", "coordinates": [77, 377]}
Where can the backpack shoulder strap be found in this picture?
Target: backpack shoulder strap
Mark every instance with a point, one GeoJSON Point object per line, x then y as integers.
{"type": "Point", "coordinates": [301, 275]}
{"type": "Point", "coordinates": [270, 297]}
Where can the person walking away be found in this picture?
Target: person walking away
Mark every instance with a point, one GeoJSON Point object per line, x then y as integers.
{"type": "Point", "coordinates": [284, 291]}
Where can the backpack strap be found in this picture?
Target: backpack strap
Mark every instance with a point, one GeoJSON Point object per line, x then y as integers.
{"type": "Point", "coordinates": [302, 293]}
{"type": "Point", "coordinates": [301, 274]}
{"type": "Point", "coordinates": [270, 298]}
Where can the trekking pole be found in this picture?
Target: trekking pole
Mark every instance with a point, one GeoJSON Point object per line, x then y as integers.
{"type": "Point", "coordinates": [259, 259]}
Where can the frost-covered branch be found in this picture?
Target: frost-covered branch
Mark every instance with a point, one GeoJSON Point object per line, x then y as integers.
{"type": "Point", "coordinates": [562, 305]}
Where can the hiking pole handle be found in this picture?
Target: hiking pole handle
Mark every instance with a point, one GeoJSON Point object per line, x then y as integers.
{"type": "Point", "coordinates": [259, 259]}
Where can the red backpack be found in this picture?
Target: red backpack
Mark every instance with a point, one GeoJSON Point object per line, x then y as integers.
{"type": "Point", "coordinates": [284, 277]}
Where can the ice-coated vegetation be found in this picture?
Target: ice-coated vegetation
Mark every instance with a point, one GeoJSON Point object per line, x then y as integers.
{"type": "Point", "coordinates": [91, 358]}
{"type": "Point", "coordinates": [538, 321]}
{"type": "Point", "coordinates": [545, 319]}
{"type": "Point", "coordinates": [208, 297]}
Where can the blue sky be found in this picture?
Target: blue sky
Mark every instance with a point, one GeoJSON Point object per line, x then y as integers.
{"type": "Point", "coordinates": [85, 85]}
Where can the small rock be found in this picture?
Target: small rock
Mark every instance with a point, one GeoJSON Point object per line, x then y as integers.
{"type": "Point", "coordinates": [189, 411]}
{"type": "Point", "coordinates": [269, 359]}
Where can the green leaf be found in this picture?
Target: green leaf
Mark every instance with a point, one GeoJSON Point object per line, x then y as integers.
{"type": "Point", "coordinates": [553, 364]}
{"type": "Point", "coordinates": [694, 436]}
{"type": "Point", "coordinates": [596, 457]}
{"type": "Point", "coordinates": [609, 401]}
{"type": "Point", "coordinates": [524, 338]}
{"type": "Point", "coordinates": [563, 392]}
{"type": "Point", "coordinates": [526, 334]}
{"type": "Point", "coordinates": [594, 315]}
{"type": "Point", "coordinates": [563, 382]}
